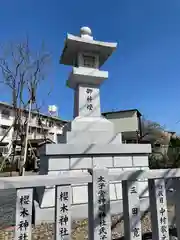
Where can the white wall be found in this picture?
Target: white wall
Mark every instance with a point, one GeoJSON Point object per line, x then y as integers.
{"type": "Point", "coordinates": [124, 121]}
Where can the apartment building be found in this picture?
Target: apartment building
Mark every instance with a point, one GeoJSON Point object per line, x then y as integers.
{"type": "Point", "coordinates": [41, 126]}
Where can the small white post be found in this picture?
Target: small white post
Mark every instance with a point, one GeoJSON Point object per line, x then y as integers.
{"type": "Point", "coordinates": [131, 210]}
{"type": "Point", "coordinates": [99, 217]}
{"type": "Point", "coordinates": [177, 205]}
{"type": "Point", "coordinates": [63, 212]}
{"type": "Point", "coordinates": [158, 207]}
{"type": "Point", "coordinates": [24, 213]}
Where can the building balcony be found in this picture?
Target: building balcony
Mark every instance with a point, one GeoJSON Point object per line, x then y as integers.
{"type": "Point", "coordinates": [6, 122]}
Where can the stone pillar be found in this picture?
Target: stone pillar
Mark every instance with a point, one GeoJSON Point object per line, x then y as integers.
{"type": "Point", "coordinates": [87, 101]}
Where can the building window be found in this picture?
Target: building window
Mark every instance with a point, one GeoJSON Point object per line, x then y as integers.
{"type": "Point", "coordinates": [131, 141]}
{"type": "Point", "coordinates": [89, 61]}
{"type": "Point", "coordinates": [3, 150]}
{"type": "Point", "coordinates": [44, 131]}
{"type": "Point", "coordinates": [32, 119]}
{"type": "Point", "coordinates": [3, 130]}
{"type": "Point", "coordinates": [5, 113]}
{"type": "Point", "coordinates": [51, 124]}
{"type": "Point", "coordinates": [39, 130]}
{"type": "Point", "coordinates": [157, 144]}
{"type": "Point", "coordinates": [32, 130]}
{"type": "Point", "coordinates": [39, 122]}
{"type": "Point", "coordinates": [58, 125]}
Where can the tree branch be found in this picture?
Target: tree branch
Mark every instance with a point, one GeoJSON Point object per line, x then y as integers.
{"type": "Point", "coordinates": [23, 72]}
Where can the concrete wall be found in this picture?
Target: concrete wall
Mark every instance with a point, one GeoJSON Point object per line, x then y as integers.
{"type": "Point", "coordinates": [55, 165]}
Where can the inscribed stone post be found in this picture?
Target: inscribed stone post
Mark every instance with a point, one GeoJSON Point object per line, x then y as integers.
{"type": "Point", "coordinates": [62, 212]}
{"type": "Point", "coordinates": [177, 205]}
{"type": "Point", "coordinates": [99, 205]}
{"type": "Point", "coordinates": [23, 214]}
{"type": "Point", "coordinates": [131, 210]}
{"type": "Point", "coordinates": [158, 207]}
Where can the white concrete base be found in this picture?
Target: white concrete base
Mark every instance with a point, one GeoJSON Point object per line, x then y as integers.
{"type": "Point", "coordinates": [93, 137]}
{"type": "Point", "coordinates": [56, 165]}
{"type": "Point", "coordinates": [90, 130]}
{"type": "Point", "coordinates": [80, 193]}
{"type": "Point", "coordinates": [92, 124]}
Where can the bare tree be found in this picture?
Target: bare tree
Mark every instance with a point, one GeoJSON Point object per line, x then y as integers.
{"type": "Point", "coordinates": [165, 145]}
{"type": "Point", "coordinates": [23, 71]}
{"type": "Point", "coordinates": [152, 131]}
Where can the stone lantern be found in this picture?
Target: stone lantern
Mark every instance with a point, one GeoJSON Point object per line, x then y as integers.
{"type": "Point", "coordinates": [89, 139]}
{"type": "Point", "coordinates": [87, 56]}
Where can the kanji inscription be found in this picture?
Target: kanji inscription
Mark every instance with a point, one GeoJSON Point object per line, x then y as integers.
{"type": "Point", "coordinates": [63, 220]}
{"type": "Point", "coordinates": [23, 214]}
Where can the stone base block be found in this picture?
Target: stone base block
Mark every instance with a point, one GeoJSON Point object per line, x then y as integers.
{"type": "Point", "coordinates": [91, 124]}
{"type": "Point", "coordinates": [93, 137]}
{"type": "Point", "coordinates": [89, 130]}
{"type": "Point", "coordinates": [80, 193]}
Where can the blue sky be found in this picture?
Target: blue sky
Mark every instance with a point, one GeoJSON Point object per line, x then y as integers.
{"type": "Point", "coordinates": [144, 72]}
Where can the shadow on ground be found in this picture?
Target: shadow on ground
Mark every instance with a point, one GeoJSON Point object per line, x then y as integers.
{"type": "Point", "coordinates": [148, 236]}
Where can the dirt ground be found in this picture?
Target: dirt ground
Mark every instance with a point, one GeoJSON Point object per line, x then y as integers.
{"type": "Point", "coordinates": [80, 229]}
